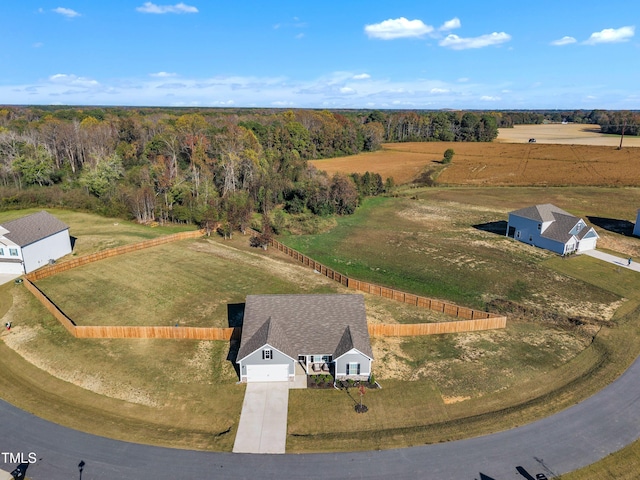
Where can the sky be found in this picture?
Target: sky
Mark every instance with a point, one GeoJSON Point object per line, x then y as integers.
{"type": "Point", "coordinates": [420, 54]}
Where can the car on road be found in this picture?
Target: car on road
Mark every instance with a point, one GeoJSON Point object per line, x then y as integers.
{"type": "Point", "coordinates": [541, 476]}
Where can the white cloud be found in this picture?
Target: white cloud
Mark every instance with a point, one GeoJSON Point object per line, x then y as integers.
{"type": "Point", "coordinates": [150, 7]}
{"type": "Point", "coordinates": [450, 24]}
{"type": "Point", "coordinates": [439, 91]}
{"type": "Point", "coordinates": [611, 35]}
{"type": "Point", "coordinates": [397, 28]}
{"type": "Point", "coordinates": [361, 76]}
{"type": "Point", "coordinates": [73, 80]}
{"type": "Point", "coordinates": [458, 43]}
{"type": "Point", "coordinates": [67, 12]}
{"type": "Point", "coordinates": [347, 91]}
{"type": "Point", "coordinates": [163, 74]}
{"type": "Point", "coordinates": [566, 40]}
{"type": "Point", "coordinates": [488, 98]}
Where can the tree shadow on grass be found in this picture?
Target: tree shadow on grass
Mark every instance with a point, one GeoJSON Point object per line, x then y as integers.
{"type": "Point", "coordinates": [623, 227]}
{"type": "Point", "coordinates": [235, 317]}
{"type": "Point", "coordinates": [498, 228]}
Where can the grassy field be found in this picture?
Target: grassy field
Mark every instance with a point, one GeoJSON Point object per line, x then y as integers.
{"type": "Point", "coordinates": [447, 243]}
{"type": "Point", "coordinates": [497, 164]}
{"type": "Point", "coordinates": [192, 384]}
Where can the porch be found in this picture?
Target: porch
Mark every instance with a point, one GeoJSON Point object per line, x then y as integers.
{"type": "Point", "coordinates": [316, 364]}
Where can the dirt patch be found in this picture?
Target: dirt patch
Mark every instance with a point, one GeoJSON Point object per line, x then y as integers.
{"type": "Point", "coordinates": [388, 354]}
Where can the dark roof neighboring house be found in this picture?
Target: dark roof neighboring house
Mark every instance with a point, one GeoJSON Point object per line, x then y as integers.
{"type": "Point", "coordinates": [27, 230]}
{"type": "Point", "coordinates": [305, 324]}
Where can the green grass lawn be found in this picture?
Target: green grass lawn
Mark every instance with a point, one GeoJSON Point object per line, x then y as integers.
{"type": "Point", "coordinates": [190, 283]}
{"type": "Point", "coordinates": [442, 249]}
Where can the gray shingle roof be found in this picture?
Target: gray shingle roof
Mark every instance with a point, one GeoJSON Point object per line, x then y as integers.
{"type": "Point", "coordinates": [540, 213]}
{"type": "Point", "coordinates": [305, 324]}
{"type": "Point", "coordinates": [562, 222]}
{"type": "Point", "coordinates": [27, 230]}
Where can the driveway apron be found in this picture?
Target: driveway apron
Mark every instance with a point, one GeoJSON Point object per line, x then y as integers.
{"type": "Point", "coordinates": [263, 421]}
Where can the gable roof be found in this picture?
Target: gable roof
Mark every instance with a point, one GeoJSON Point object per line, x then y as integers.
{"type": "Point", "coordinates": [541, 213]}
{"type": "Point", "coordinates": [562, 223]}
{"type": "Point", "coordinates": [27, 230]}
{"type": "Point", "coordinates": [305, 324]}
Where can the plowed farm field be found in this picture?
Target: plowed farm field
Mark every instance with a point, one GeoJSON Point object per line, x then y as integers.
{"type": "Point", "coordinates": [500, 163]}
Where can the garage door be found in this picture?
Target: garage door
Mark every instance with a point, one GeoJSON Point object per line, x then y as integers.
{"type": "Point", "coordinates": [267, 373]}
{"type": "Point", "coordinates": [587, 244]}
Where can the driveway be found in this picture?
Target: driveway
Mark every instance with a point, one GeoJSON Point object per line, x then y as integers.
{"type": "Point", "coordinates": [263, 421]}
{"type": "Point", "coordinates": [621, 262]}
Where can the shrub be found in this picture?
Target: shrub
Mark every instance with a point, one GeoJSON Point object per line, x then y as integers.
{"type": "Point", "coordinates": [448, 155]}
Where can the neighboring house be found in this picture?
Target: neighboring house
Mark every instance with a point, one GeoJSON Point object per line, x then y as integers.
{"type": "Point", "coordinates": [324, 334]}
{"type": "Point", "coordinates": [31, 242]}
{"type": "Point", "coordinates": [636, 228]}
{"type": "Point", "coordinates": [547, 226]}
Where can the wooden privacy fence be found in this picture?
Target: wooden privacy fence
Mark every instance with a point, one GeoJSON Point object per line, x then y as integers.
{"type": "Point", "coordinates": [416, 329]}
{"type": "Point", "coordinates": [191, 333]}
{"type": "Point", "coordinates": [111, 252]}
{"type": "Point", "coordinates": [474, 319]}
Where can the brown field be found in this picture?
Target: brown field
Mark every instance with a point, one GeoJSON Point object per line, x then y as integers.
{"type": "Point", "coordinates": [499, 164]}
{"type": "Point", "coordinates": [570, 134]}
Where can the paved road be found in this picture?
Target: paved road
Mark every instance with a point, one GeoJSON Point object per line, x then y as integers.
{"type": "Point", "coordinates": [563, 442]}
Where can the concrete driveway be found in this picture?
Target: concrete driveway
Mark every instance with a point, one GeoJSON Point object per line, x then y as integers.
{"type": "Point", "coordinates": [621, 262]}
{"type": "Point", "coordinates": [263, 421]}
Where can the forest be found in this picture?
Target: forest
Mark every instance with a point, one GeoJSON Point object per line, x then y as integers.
{"type": "Point", "coordinates": [212, 166]}
{"type": "Point", "coordinates": [204, 166]}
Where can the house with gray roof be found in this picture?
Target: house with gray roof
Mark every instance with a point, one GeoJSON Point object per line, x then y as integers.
{"type": "Point", "coordinates": [322, 334]}
{"type": "Point", "coordinates": [31, 242]}
{"type": "Point", "coordinates": [549, 227]}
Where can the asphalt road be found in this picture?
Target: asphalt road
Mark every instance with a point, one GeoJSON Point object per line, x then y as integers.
{"type": "Point", "coordinates": [573, 438]}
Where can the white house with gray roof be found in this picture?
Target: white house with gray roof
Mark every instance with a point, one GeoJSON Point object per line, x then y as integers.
{"type": "Point", "coordinates": [549, 227]}
{"type": "Point", "coordinates": [31, 242]}
{"type": "Point", "coordinates": [322, 333]}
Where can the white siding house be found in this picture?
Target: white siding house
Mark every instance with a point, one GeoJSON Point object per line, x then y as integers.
{"type": "Point", "coordinates": [549, 227]}
{"type": "Point", "coordinates": [324, 334]}
{"type": "Point", "coordinates": [31, 242]}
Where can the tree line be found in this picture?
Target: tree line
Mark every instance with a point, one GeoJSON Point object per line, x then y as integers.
{"type": "Point", "coordinates": [204, 166]}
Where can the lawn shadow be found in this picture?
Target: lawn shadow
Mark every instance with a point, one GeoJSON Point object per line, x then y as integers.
{"type": "Point", "coordinates": [499, 227]}
{"type": "Point", "coordinates": [73, 240]}
{"type": "Point", "coordinates": [623, 227]}
{"type": "Point", "coordinates": [235, 317]}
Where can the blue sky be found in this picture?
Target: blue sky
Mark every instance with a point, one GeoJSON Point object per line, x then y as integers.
{"type": "Point", "coordinates": [302, 54]}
